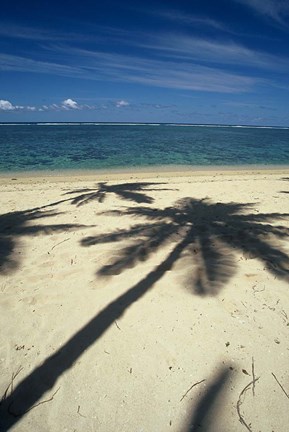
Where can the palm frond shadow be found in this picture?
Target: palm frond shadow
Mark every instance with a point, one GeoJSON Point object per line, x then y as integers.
{"type": "Point", "coordinates": [209, 234]}
{"type": "Point", "coordinates": [19, 224]}
{"type": "Point", "coordinates": [135, 192]}
{"type": "Point", "coordinates": [203, 416]}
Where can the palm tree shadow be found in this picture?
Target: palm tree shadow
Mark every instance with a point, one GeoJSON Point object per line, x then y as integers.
{"type": "Point", "coordinates": [15, 225]}
{"type": "Point", "coordinates": [135, 192]}
{"type": "Point", "coordinates": [209, 234]}
{"type": "Point", "coordinates": [203, 416]}
{"type": "Point", "coordinates": [192, 227]}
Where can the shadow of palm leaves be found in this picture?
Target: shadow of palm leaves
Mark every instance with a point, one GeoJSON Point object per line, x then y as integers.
{"type": "Point", "coordinates": [16, 225]}
{"type": "Point", "coordinates": [135, 192]}
{"type": "Point", "coordinates": [208, 234]}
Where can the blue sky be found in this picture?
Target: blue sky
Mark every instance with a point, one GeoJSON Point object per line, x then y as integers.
{"type": "Point", "coordinates": [206, 61]}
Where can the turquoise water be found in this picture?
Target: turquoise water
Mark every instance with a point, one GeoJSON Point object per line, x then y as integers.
{"type": "Point", "coordinates": [34, 147]}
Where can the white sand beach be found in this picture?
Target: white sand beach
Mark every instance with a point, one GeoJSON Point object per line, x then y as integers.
{"type": "Point", "coordinates": [145, 302]}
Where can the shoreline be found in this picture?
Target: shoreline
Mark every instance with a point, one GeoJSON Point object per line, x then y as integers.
{"type": "Point", "coordinates": [143, 172]}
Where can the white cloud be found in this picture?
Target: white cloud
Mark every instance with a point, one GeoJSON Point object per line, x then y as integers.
{"type": "Point", "coordinates": [11, 30]}
{"type": "Point", "coordinates": [186, 19]}
{"type": "Point", "coordinates": [170, 61]}
{"type": "Point", "coordinates": [183, 62]}
{"type": "Point", "coordinates": [121, 103]}
{"type": "Point", "coordinates": [126, 68]}
{"type": "Point", "coordinates": [67, 104]}
{"type": "Point", "coordinates": [275, 9]}
{"type": "Point", "coordinates": [176, 47]}
{"type": "Point", "coordinates": [23, 64]}
{"type": "Point", "coordinates": [6, 105]}
{"type": "Point", "coordinates": [70, 104]}
{"type": "Point", "coordinates": [168, 73]}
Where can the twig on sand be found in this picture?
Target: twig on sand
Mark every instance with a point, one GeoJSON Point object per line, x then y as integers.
{"type": "Point", "coordinates": [57, 244]}
{"type": "Point", "coordinates": [31, 408]}
{"type": "Point", "coordinates": [10, 385]}
{"type": "Point", "coordinates": [239, 403]}
{"type": "Point", "coordinates": [197, 383]}
{"type": "Point", "coordinates": [284, 315]}
{"type": "Point", "coordinates": [256, 290]}
{"type": "Point", "coordinates": [253, 375]}
{"type": "Point", "coordinates": [117, 325]}
{"type": "Point", "coordinates": [78, 412]}
{"type": "Point", "coordinates": [284, 391]}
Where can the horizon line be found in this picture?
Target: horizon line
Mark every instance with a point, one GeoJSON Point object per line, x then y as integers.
{"type": "Point", "coordinates": [128, 123]}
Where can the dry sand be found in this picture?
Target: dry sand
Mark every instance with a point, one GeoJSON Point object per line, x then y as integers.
{"type": "Point", "coordinates": [145, 302]}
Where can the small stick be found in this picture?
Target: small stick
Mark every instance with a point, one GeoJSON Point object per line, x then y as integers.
{"type": "Point", "coordinates": [14, 375]}
{"type": "Point", "coordinates": [183, 397]}
{"type": "Point", "coordinates": [78, 412]}
{"type": "Point", "coordinates": [117, 325]}
{"type": "Point", "coordinates": [239, 403]}
{"type": "Point", "coordinates": [57, 244]}
{"type": "Point", "coordinates": [280, 385]}
{"type": "Point", "coordinates": [253, 375]}
{"type": "Point", "coordinates": [31, 408]}
{"type": "Point", "coordinates": [256, 291]}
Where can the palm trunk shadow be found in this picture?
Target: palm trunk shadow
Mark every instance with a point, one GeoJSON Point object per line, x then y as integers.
{"type": "Point", "coordinates": [202, 417]}
{"type": "Point", "coordinates": [44, 377]}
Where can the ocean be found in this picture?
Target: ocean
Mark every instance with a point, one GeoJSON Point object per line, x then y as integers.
{"type": "Point", "coordinates": [79, 146]}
